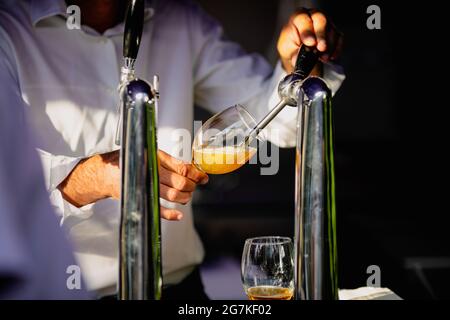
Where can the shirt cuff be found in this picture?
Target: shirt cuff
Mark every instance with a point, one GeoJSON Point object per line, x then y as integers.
{"type": "Point", "coordinates": [65, 209]}
{"type": "Point", "coordinates": [56, 170]}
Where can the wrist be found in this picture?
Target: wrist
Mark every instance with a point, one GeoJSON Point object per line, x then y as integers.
{"type": "Point", "coordinates": [109, 174]}
{"type": "Point", "coordinates": [99, 188]}
{"type": "Point", "coordinates": [87, 183]}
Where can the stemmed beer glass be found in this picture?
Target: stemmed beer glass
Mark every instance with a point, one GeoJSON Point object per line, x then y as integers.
{"type": "Point", "coordinates": [267, 268]}
{"type": "Point", "coordinates": [221, 145]}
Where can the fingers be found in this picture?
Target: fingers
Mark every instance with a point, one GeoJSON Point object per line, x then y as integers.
{"type": "Point", "coordinates": [181, 168]}
{"type": "Point", "coordinates": [171, 194]}
{"type": "Point", "coordinates": [334, 45]}
{"type": "Point", "coordinates": [305, 28]}
{"type": "Point", "coordinates": [171, 214]}
{"type": "Point", "coordinates": [178, 179]}
{"type": "Point", "coordinates": [299, 30]}
{"type": "Point", "coordinates": [174, 180]}
{"type": "Point", "coordinates": [312, 28]}
{"type": "Point", "coordinates": [288, 45]}
{"type": "Point", "coordinates": [320, 28]}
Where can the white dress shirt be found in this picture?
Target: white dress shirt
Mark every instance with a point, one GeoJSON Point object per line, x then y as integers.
{"type": "Point", "coordinates": [34, 252]}
{"type": "Point", "coordinates": [69, 80]}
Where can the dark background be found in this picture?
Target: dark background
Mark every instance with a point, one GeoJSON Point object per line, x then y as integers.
{"type": "Point", "coordinates": [391, 146]}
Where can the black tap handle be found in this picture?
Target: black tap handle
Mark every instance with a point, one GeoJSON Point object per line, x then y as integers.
{"type": "Point", "coordinates": [134, 23]}
{"type": "Point", "coordinates": [306, 60]}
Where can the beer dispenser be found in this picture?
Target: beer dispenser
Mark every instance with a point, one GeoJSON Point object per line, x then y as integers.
{"type": "Point", "coordinates": [140, 276]}
{"type": "Point", "coordinates": [315, 199]}
{"type": "Point", "coordinates": [315, 202]}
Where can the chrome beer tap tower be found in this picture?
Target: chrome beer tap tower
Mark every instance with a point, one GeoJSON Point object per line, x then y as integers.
{"type": "Point", "coordinates": [140, 276]}
{"type": "Point", "coordinates": [315, 203]}
{"type": "Point", "coordinates": [315, 199]}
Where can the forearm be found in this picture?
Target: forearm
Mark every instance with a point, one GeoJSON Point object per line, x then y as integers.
{"type": "Point", "coordinates": [92, 179]}
{"type": "Point", "coordinates": [98, 177]}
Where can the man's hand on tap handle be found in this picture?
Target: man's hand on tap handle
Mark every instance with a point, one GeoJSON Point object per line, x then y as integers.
{"type": "Point", "coordinates": [312, 28]}
{"type": "Point", "coordinates": [98, 177]}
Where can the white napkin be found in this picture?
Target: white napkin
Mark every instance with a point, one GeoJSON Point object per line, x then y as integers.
{"type": "Point", "coordinates": [368, 293]}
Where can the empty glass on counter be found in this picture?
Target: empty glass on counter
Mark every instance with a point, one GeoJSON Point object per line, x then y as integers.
{"type": "Point", "coordinates": [267, 268]}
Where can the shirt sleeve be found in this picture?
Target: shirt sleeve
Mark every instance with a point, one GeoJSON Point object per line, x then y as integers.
{"type": "Point", "coordinates": [55, 167]}
{"type": "Point", "coordinates": [225, 75]}
{"type": "Point", "coordinates": [34, 252]}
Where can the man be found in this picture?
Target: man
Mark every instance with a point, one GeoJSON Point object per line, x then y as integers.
{"type": "Point", "coordinates": [34, 253]}
{"type": "Point", "coordinates": [69, 79]}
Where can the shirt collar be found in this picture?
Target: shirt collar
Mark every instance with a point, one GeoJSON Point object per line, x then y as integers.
{"type": "Point", "coordinates": [43, 9]}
